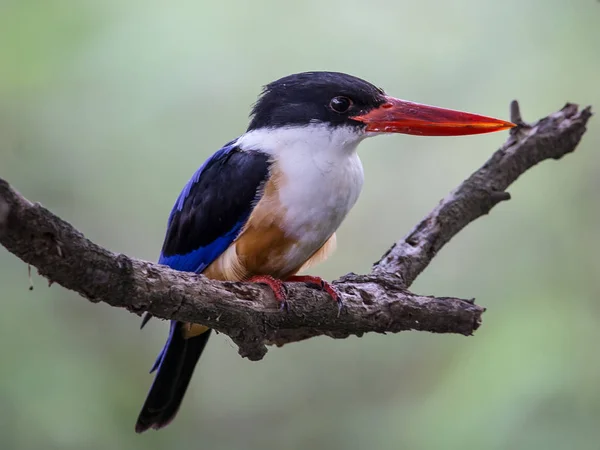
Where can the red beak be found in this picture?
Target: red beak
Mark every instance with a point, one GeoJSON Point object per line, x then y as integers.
{"type": "Point", "coordinates": [401, 116]}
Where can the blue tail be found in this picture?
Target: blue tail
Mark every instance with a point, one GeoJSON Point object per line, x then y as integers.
{"type": "Point", "coordinates": [175, 366]}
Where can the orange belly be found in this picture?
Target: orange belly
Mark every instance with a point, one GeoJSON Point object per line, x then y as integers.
{"type": "Point", "coordinates": [256, 252]}
{"type": "Point", "coordinates": [264, 248]}
{"type": "Point", "coordinates": [265, 252]}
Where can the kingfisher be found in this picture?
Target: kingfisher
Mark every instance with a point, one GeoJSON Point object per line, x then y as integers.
{"type": "Point", "coordinates": [266, 206]}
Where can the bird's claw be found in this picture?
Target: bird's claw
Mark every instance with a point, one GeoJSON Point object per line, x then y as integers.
{"type": "Point", "coordinates": [321, 284]}
{"type": "Point", "coordinates": [336, 296]}
{"type": "Point", "coordinates": [340, 305]}
{"type": "Point", "coordinates": [280, 291]}
{"type": "Point", "coordinates": [283, 303]}
{"type": "Point", "coordinates": [277, 286]}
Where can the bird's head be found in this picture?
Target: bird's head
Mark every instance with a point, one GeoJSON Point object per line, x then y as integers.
{"type": "Point", "coordinates": [338, 100]}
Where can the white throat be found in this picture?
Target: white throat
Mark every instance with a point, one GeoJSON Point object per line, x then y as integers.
{"type": "Point", "coordinates": [323, 175]}
{"type": "Point", "coordinates": [324, 141]}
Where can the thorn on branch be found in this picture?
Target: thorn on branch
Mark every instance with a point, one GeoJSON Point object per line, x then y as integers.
{"type": "Point", "coordinates": [499, 196]}
{"type": "Point", "coordinates": [515, 116]}
{"type": "Point", "coordinates": [145, 319]}
{"type": "Point", "coordinates": [570, 109]}
{"type": "Point", "coordinates": [493, 198]}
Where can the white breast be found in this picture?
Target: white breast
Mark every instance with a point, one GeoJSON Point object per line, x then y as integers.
{"type": "Point", "coordinates": [319, 189]}
{"type": "Point", "coordinates": [322, 177]}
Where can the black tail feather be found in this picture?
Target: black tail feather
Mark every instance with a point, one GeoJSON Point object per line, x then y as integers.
{"type": "Point", "coordinates": [175, 370]}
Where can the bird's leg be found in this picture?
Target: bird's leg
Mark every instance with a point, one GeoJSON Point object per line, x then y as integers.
{"type": "Point", "coordinates": [321, 284]}
{"type": "Point", "coordinates": [280, 292]}
{"type": "Point", "coordinates": [276, 286]}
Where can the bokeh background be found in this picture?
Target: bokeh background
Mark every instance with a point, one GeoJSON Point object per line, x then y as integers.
{"type": "Point", "coordinates": [107, 107]}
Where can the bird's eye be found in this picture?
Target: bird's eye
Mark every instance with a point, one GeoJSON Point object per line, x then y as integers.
{"type": "Point", "coordinates": [340, 104]}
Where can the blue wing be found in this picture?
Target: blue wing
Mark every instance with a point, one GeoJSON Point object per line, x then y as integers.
{"type": "Point", "coordinates": [206, 218]}
{"type": "Point", "coordinates": [210, 212]}
{"type": "Point", "coordinates": [213, 207]}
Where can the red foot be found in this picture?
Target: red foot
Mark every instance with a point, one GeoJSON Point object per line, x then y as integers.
{"type": "Point", "coordinates": [276, 286]}
{"type": "Point", "coordinates": [319, 282]}
{"type": "Point", "coordinates": [280, 293]}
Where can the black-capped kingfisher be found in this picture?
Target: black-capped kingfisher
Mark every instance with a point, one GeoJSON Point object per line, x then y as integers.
{"type": "Point", "coordinates": [267, 205]}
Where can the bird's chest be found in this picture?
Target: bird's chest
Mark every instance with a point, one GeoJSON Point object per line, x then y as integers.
{"type": "Point", "coordinates": [316, 193]}
{"type": "Point", "coordinates": [301, 208]}
{"type": "Point", "coordinates": [316, 178]}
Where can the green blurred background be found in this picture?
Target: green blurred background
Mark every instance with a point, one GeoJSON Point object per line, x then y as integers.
{"type": "Point", "coordinates": [106, 109]}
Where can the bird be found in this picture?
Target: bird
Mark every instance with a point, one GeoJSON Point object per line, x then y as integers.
{"type": "Point", "coordinates": [266, 206]}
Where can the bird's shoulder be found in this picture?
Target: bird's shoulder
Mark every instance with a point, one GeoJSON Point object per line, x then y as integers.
{"type": "Point", "coordinates": [213, 207]}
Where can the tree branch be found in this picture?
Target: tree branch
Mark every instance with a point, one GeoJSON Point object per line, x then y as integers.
{"type": "Point", "coordinates": [248, 313]}
{"type": "Point", "coordinates": [551, 137]}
